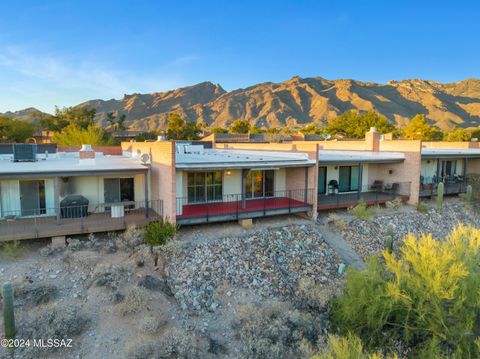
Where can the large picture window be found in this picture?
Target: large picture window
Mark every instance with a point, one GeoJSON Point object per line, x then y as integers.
{"type": "Point", "coordinates": [204, 186]}
{"type": "Point", "coordinates": [259, 183]}
{"type": "Point", "coordinates": [118, 190]}
{"type": "Point", "coordinates": [348, 179]}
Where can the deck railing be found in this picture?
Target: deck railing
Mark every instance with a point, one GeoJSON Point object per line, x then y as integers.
{"type": "Point", "coordinates": [375, 193]}
{"type": "Point", "coordinates": [44, 222]}
{"type": "Point", "coordinates": [452, 185]}
{"type": "Point", "coordinates": [237, 206]}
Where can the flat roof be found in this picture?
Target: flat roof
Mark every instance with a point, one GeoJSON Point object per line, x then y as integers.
{"type": "Point", "coordinates": [231, 159]}
{"type": "Point", "coordinates": [65, 166]}
{"type": "Point", "coordinates": [341, 156]}
{"type": "Point", "coordinates": [451, 152]}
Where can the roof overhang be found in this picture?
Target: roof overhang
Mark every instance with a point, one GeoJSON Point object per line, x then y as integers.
{"type": "Point", "coordinates": [251, 165]}
{"type": "Point", "coordinates": [355, 157]}
{"type": "Point", "coordinates": [363, 160]}
{"type": "Point", "coordinates": [67, 173]}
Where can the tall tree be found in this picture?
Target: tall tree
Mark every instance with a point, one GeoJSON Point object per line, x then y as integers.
{"type": "Point", "coordinates": [13, 130]}
{"type": "Point", "coordinates": [355, 124]}
{"type": "Point", "coordinates": [240, 126]}
{"type": "Point", "coordinates": [419, 129]}
{"type": "Point", "coordinates": [80, 117]}
{"type": "Point", "coordinates": [179, 129]}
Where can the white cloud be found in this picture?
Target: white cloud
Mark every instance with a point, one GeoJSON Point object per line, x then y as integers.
{"type": "Point", "coordinates": [77, 79]}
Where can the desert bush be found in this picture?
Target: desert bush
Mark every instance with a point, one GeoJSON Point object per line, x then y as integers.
{"type": "Point", "coordinates": [151, 324]}
{"type": "Point", "coordinates": [362, 211]}
{"type": "Point", "coordinates": [56, 321]}
{"type": "Point", "coordinates": [426, 297]}
{"type": "Point", "coordinates": [11, 249]}
{"type": "Point", "coordinates": [160, 232]}
{"type": "Point", "coordinates": [311, 296]}
{"type": "Point", "coordinates": [422, 207]}
{"type": "Point", "coordinates": [177, 344]}
{"type": "Point", "coordinates": [335, 220]}
{"type": "Point", "coordinates": [394, 204]}
{"type": "Point", "coordinates": [134, 301]}
{"type": "Point", "coordinates": [276, 330]}
{"type": "Point", "coordinates": [111, 276]}
{"type": "Point", "coordinates": [140, 349]}
{"type": "Point", "coordinates": [349, 347]}
{"type": "Point", "coordinates": [130, 239]}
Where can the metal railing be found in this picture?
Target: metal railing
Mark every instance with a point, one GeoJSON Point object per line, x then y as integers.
{"type": "Point", "coordinates": [237, 206]}
{"type": "Point", "coordinates": [374, 193]}
{"type": "Point", "coordinates": [452, 185]}
{"type": "Point", "coordinates": [69, 220]}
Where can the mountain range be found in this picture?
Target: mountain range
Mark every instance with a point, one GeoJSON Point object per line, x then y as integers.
{"type": "Point", "coordinates": [298, 101]}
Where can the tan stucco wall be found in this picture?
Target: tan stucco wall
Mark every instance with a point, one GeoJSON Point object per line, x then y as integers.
{"type": "Point", "coordinates": [162, 172]}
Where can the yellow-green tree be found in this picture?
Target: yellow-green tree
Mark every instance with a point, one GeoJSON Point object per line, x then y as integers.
{"type": "Point", "coordinates": [76, 136]}
{"type": "Point", "coordinates": [13, 130]}
{"type": "Point", "coordinates": [458, 134]}
{"type": "Point", "coordinates": [425, 297]}
{"type": "Point", "coordinates": [419, 129]}
{"type": "Point", "coordinates": [179, 129]}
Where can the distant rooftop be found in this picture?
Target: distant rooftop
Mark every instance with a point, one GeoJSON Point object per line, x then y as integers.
{"type": "Point", "coordinates": [340, 156]}
{"type": "Point", "coordinates": [451, 152]}
{"type": "Point", "coordinates": [199, 158]}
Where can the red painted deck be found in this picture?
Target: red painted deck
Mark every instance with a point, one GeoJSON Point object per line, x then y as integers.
{"type": "Point", "coordinates": [226, 208]}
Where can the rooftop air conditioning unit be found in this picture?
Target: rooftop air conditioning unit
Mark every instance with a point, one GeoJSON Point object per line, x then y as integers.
{"type": "Point", "coordinates": [24, 152]}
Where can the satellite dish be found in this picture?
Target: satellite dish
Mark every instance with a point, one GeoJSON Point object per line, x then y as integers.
{"type": "Point", "coordinates": [145, 158]}
{"type": "Point", "coordinates": [326, 136]}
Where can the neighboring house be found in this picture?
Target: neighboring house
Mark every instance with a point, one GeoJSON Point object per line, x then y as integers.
{"type": "Point", "coordinates": [201, 185]}
{"type": "Point", "coordinates": [67, 193]}
{"type": "Point", "coordinates": [451, 165]}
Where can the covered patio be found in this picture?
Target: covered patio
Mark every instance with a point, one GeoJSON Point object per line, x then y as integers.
{"type": "Point", "coordinates": [347, 177]}
{"type": "Point", "coordinates": [234, 207]}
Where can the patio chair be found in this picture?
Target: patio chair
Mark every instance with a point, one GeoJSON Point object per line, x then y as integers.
{"type": "Point", "coordinates": [377, 186]}
{"type": "Point", "coordinates": [392, 187]}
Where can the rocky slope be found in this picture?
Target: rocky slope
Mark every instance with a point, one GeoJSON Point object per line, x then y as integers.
{"type": "Point", "coordinates": [29, 114]}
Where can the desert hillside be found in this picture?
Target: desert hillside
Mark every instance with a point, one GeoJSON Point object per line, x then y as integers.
{"type": "Point", "coordinates": [296, 101]}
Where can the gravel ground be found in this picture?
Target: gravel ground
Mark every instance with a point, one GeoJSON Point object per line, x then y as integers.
{"type": "Point", "coordinates": [368, 237]}
{"type": "Point", "coordinates": [269, 263]}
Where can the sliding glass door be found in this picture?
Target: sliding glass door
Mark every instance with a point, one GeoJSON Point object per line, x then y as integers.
{"type": "Point", "coordinates": [32, 197]}
{"type": "Point", "coordinates": [322, 180]}
{"type": "Point", "coordinates": [118, 190]}
{"type": "Point", "coordinates": [348, 179]}
{"type": "Point", "coordinates": [204, 186]}
{"type": "Point", "coordinates": [259, 183]}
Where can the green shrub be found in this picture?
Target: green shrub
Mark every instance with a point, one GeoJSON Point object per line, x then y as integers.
{"type": "Point", "coordinates": [160, 232]}
{"type": "Point", "coordinates": [422, 207]}
{"type": "Point", "coordinates": [426, 298]}
{"type": "Point", "coordinates": [11, 249]}
{"type": "Point", "coordinates": [361, 210]}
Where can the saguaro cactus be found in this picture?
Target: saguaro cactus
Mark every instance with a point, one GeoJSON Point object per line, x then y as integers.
{"type": "Point", "coordinates": [440, 189]}
{"type": "Point", "coordinates": [8, 315]}
{"type": "Point", "coordinates": [469, 195]}
{"type": "Point", "coordinates": [389, 241]}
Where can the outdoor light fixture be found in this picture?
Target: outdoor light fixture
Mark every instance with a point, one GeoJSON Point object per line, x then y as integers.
{"type": "Point", "coordinates": [390, 171]}
{"type": "Point", "coordinates": [228, 172]}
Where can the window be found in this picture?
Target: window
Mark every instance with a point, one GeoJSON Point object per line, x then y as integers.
{"type": "Point", "coordinates": [348, 179]}
{"type": "Point", "coordinates": [119, 190]}
{"type": "Point", "coordinates": [260, 184]}
{"type": "Point", "coordinates": [204, 186]}
{"type": "Point", "coordinates": [449, 168]}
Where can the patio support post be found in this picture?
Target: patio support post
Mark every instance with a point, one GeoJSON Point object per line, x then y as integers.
{"type": "Point", "coordinates": [145, 185]}
{"type": "Point", "coordinates": [244, 187]}
{"type": "Point", "coordinates": [438, 170]}
{"type": "Point", "coordinates": [360, 175]}
{"type": "Point", "coordinates": [56, 194]}
{"type": "Point", "coordinates": [465, 161]}
{"type": "Point", "coordinates": [305, 199]}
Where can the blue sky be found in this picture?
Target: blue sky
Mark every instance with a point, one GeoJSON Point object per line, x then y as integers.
{"type": "Point", "coordinates": [66, 52]}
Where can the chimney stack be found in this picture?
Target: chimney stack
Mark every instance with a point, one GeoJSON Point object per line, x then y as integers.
{"type": "Point", "coordinates": [87, 155]}
{"type": "Point", "coordinates": [372, 140]}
